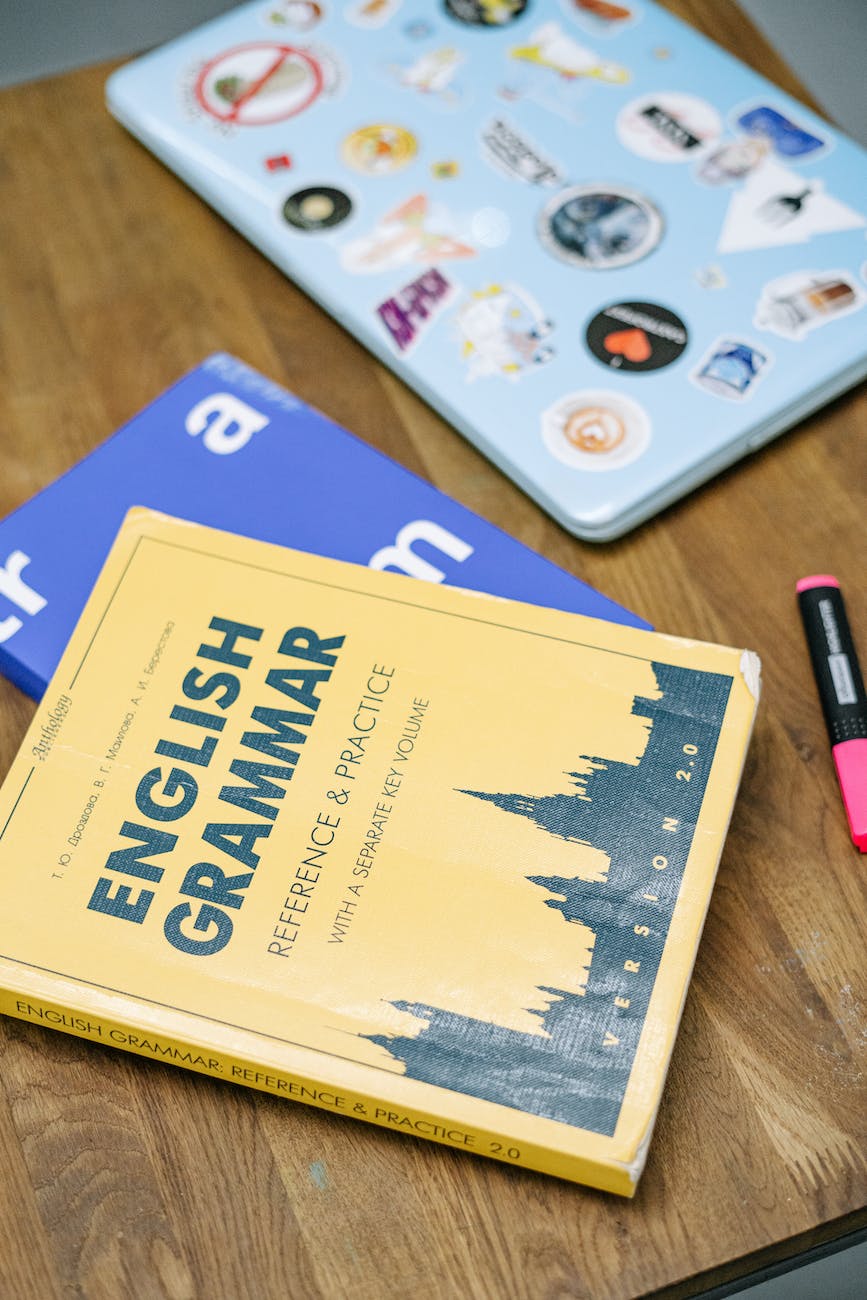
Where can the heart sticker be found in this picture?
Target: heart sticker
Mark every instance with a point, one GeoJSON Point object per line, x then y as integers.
{"type": "Point", "coordinates": [634, 337]}
{"type": "Point", "coordinates": [634, 345]}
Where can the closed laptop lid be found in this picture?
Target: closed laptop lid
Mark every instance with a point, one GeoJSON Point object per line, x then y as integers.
{"type": "Point", "coordinates": [614, 257]}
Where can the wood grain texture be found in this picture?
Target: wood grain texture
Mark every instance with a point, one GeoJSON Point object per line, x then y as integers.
{"type": "Point", "coordinates": [119, 1177]}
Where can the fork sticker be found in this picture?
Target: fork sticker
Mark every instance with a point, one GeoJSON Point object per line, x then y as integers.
{"type": "Point", "coordinates": [775, 206]}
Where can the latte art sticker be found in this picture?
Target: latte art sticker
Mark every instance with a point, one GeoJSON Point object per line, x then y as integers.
{"type": "Point", "coordinates": [596, 430]}
{"type": "Point", "coordinates": [600, 227]}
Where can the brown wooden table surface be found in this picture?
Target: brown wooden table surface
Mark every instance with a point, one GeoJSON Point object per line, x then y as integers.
{"type": "Point", "coordinates": [123, 1178]}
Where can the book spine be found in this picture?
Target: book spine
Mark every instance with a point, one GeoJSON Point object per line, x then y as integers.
{"type": "Point", "coordinates": [206, 1059]}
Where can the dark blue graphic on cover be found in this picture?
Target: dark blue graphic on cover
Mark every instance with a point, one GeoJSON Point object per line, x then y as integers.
{"type": "Point", "coordinates": [643, 817]}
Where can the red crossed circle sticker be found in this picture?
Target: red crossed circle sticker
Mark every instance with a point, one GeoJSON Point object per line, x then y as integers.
{"type": "Point", "coordinates": [259, 83]}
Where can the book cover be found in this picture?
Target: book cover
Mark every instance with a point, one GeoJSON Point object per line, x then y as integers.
{"type": "Point", "coordinates": [229, 448]}
{"type": "Point", "coordinates": [418, 856]}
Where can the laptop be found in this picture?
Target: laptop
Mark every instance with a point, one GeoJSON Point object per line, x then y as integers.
{"type": "Point", "coordinates": [612, 256]}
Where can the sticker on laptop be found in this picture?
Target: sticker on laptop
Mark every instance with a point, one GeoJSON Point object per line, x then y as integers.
{"type": "Point", "coordinates": [299, 15]}
{"type": "Point", "coordinates": [711, 276]}
{"type": "Point", "coordinates": [596, 430]}
{"type": "Point", "coordinates": [317, 207]}
{"type": "Point", "coordinates": [507, 148]}
{"type": "Point", "coordinates": [668, 126]}
{"type": "Point", "coordinates": [733, 160]}
{"type": "Point", "coordinates": [600, 227]}
{"type": "Point", "coordinates": [776, 206]}
{"type": "Point", "coordinates": [636, 336]}
{"type": "Point", "coordinates": [379, 149]}
{"type": "Point", "coordinates": [433, 74]}
{"type": "Point", "coordinates": [418, 29]}
{"type": "Point", "coordinates": [371, 13]}
{"type": "Point", "coordinates": [278, 162]}
{"type": "Point", "coordinates": [553, 49]}
{"type": "Point", "coordinates": [795, 304]}
{"type": "Point", "coordinates": [446, 169]}
{"type": "Point", "coordinates": [415, 231]}
{"type": "Point", "coordinates": [485, 13]}
{"type": "Point", "coordinates": [504, 332]}
{"type": "Point", "coordinates": [407, 313]}
{"type": "Point", "coordinates": [602, 17]}
{"type": "Point", "coordinates": [788, 140]}
{"type": "Point", "coordinates": [731, 368]}
{"type": "Point", "coordinates": [264, 82]}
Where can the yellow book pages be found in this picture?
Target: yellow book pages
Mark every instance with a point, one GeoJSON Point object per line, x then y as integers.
{"type": "Point", "coordinates": [431, 859]}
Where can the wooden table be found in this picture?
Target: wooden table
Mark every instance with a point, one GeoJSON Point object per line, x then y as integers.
{"type": "Point", "coordinates": [123, 1178]}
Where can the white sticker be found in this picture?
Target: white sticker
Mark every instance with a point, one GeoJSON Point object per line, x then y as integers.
{"type": "Point", "coordinates": [776, 206]}
{"type": "Point", "coordinates": [552, 48]}
{"type": "Point", "coordinates": [263, 82]}
{"type": "Point", "coordinates": [503, 332]}
{"type": "Point", "coordinates": [669, 127]}
{"type": "Point", "coordinates": [416, 231]}
{"type": "Point", "coordinates": [795, 304]}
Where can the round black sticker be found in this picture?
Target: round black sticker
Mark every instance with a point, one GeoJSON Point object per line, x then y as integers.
{"type": "Point", "coordinates": [317, 208]}
{"type": "Point", "coordinates": [600, 227]}
{"type": "Point", "coordinates": [486, 13]}
{"type": "Point", "coordinates": [636, 336]}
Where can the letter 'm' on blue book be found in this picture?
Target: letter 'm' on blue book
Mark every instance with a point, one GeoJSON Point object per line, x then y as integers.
{"type": "Point", "coordinates": [228, 448]}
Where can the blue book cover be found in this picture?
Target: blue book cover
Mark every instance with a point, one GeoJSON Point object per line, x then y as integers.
{"type": "Point", "coordinates": [228, 448]}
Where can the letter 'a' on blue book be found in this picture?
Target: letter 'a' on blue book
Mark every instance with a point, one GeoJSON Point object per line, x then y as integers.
{"type": "Point", "coordinates": [228, 448]}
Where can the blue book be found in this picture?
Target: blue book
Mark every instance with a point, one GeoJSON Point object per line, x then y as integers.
{"type": "Point", "coordinates": [226, 447]}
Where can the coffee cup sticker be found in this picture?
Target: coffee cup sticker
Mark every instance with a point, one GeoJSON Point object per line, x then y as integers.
{"type": "Point", "coordinates": [596, 430]}
{"type": "Point", "coordinates": [319, 207]}
{"type": "Point", "coordinates": [600, 227]}
{"type": "Point", "coordinates": [636, 336]}
{"type": "Point", "coordinates": [795, 304]}
{"type": "Point", "coordinates": [669, 127]}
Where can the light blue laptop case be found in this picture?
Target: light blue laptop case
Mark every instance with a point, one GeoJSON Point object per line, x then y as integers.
{"type": "Point", "coordinates": [611, 255]}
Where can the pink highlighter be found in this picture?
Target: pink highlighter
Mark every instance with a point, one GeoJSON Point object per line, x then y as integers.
{"type": "Point", "coordinates": [841, 692]}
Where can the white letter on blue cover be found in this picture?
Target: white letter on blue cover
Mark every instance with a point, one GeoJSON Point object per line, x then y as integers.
{"type": "Point", "coordinates": [226, 411]}
{"type": "Point", "coordinates": [401, 555]}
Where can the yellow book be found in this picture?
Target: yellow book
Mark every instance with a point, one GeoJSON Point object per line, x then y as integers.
{"type": "Point", "coordinates": [435, 860]}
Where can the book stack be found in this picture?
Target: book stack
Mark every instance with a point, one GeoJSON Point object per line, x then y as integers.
{"type": "Point", "coordinates": [227, 447]}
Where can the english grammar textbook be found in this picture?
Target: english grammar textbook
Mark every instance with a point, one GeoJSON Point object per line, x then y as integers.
{"type": "Point", "coordinates": [418, 856]}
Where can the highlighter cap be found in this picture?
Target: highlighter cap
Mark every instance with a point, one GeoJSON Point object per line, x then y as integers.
{"type": "Point", "coordinates": [850, 760]}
